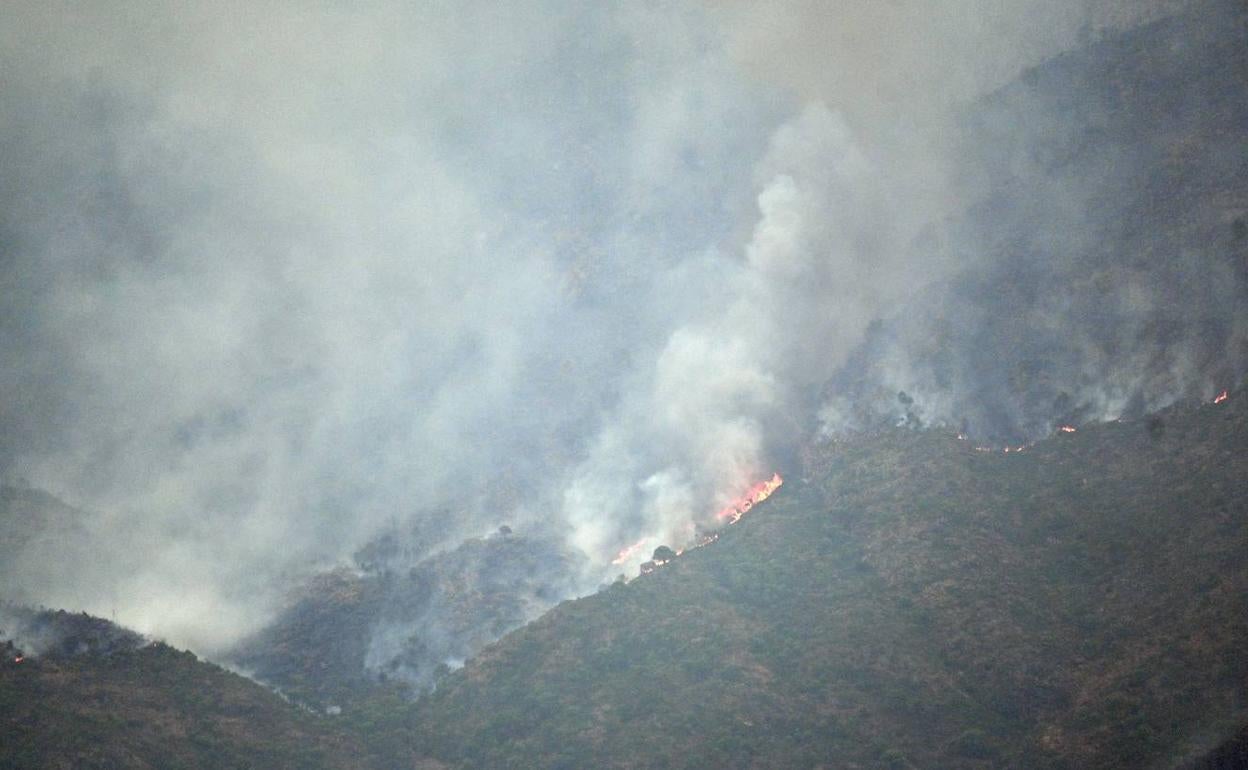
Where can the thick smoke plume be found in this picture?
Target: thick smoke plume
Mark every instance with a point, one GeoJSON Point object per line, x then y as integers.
{"type": "Point", "coordinates": [280, 277]}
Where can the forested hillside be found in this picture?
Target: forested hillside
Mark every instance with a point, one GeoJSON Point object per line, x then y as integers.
{"type": "Point", "coordinates": [913, 603]}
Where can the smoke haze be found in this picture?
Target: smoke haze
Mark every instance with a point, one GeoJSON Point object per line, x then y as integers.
{"type": "Point", "coordinates": [279, 277]}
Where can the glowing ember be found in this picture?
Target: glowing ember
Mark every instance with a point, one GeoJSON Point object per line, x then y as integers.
{"type": "Point", "coordinates": [755, 495]}
{"type": "Point", "coordinates": [1067, 429]}
{"type": "Point", "coordinates": [1224, 395]}
{"type": "Point", "coordinates": [627, 553]}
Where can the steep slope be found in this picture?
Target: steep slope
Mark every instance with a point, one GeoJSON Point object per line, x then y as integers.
{"type": "Point", "coordinates": [915, 603]}
{"type": "Point", "coordinates": [95, 695]}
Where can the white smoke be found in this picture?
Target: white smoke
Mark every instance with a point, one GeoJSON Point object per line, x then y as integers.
{"type": "Point", "coordinates": [279, 275]}
{"type": "Point", "coordinates": [825, 257]}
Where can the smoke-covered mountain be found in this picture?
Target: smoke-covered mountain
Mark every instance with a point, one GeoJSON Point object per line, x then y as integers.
{"type": "Point", "coordinates": [405, 617]}
{"type": "Point", "coordinates": [912, 603]}
{"type": "Point", "coordinates": [280, 279]}
{"type": "Point", "coordinates": [1104, 271]}
{"type": "Point", "coordinates": [57, 635]}
{"type": "Point", "coordinates": [909, 601]}
{"type": "Point", "coordinates": [298, 303]}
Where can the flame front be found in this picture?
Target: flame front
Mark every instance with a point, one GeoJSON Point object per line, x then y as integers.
{"type": "Point", "coordinates": [627, 553]}
{"type": "Point", "coordinates": [729, 515]}
{"type": "Point", "coordinates": [756, 494]}
{"type": "Point", "coordinates": [1224, 395]}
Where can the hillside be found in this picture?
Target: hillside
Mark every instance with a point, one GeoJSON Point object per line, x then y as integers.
{"type": "Point", "coordinates": [907, 599]}
{"type": "Point", "coordinates": [399, 619]}
{"type": "Point", "coordinates": [1105, 259]}
{"type": "Point", "coordinates": [97, 696]}
{"type": "Point", "coordinates": [910, 602]}
{"type": "Point", "coordinates": [913, 603]}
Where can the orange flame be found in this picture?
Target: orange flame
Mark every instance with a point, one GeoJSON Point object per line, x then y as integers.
{"type": "Point", "coordinates": [1068, 429]}
{"type": "Point", "coordinates": [19, 659]}
{"type": "Point", "coordinates": [1224, 395]}
{"type": "Point", "coordinates": [755, 495]}
{"type": "Point", "coordinates": [627, 553]}
{"type": "Point", "coordinates": [731, 515]}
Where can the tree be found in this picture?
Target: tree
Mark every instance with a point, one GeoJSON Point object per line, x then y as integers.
{"type": "Point", "coordinates": [662, 554]}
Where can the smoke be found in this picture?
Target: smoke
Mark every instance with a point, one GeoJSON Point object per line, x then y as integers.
{"type": "Point", "coordinates": [1109, 275]}
{"type": "Point", "coordinates": [277, 276]}
{"type": "Point", "coordinates": [280, 277]}
{"type": "Point", "coordinates": [62, 634]}
{"type": "Point", "coordinates": [725, 389]}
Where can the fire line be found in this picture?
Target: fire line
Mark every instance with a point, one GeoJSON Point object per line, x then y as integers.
{"type": "Point", "coordinates": [756, 494]}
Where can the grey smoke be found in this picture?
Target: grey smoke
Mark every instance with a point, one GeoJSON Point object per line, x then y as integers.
{"type": "Point", "coordinates": [61, 634]}
{"type": "Point", "coordinates": [1110, 280]}
{"type": "Point", "coordinates": [280, 277]}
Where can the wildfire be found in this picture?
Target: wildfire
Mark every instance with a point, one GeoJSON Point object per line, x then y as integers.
{"type": "Point", "coordinates": [729, 515]}
{"type": "Point", "coordinates": [1068, 429]}
{"type": "Point", "coordinates": [627, 553]}
{"type": "Point", "coordinates": [755, 495]}
{"type": "Point", "coordinates": [1224, 395]}
{"type": "Point", "coordinates": [1007, 450]}
{"type": "Point", "coordinates": [19, 659]}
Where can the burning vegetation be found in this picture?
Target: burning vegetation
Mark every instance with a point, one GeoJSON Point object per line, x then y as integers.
{"type": "Point", "coordinates": [755, 495]}
{"type": "Point", "coordinates": [629, 552]}
{"type": "Point", "coordinates": [727, 516]}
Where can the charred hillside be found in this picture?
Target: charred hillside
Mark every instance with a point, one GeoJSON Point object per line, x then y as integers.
{"type": "Point", "coordinates": [913, 603]}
